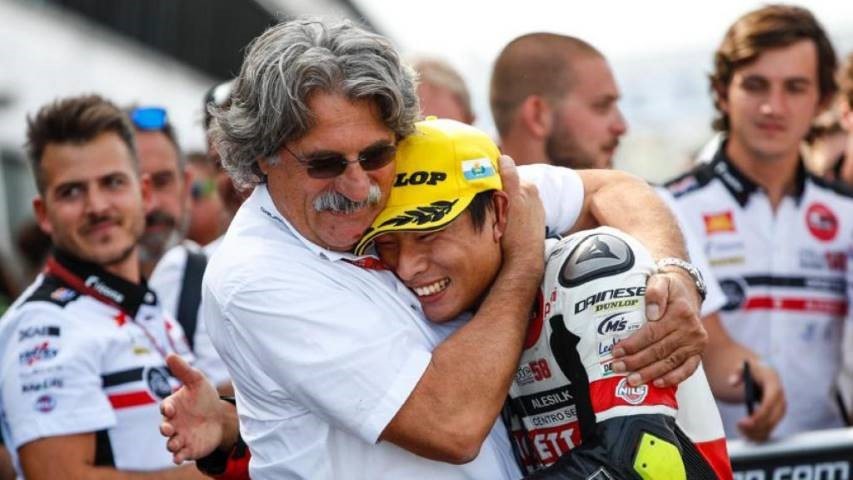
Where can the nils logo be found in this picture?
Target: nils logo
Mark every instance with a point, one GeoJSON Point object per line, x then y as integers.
{"type": "Point", "coordinates": [632, 395]}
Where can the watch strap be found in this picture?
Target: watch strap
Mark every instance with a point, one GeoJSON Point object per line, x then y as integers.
{"type": "Point", "coordinates": [694, 272]}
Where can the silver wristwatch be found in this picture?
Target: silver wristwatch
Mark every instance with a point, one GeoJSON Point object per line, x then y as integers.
{"type": "Point", "coordinates": [694, 273]}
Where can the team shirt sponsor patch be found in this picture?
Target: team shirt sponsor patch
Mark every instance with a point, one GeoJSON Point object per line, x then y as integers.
{"type": "Point", "coordinates": [63, 294]}
{"type": "Point", "coordinates": [822, 222]}
{"type": "Point", "coordinates": [95, 283]}
{"type": "Point", "coordinates": [478, 168]}
{"type": "Point", "coordinates": [719, 222]}
{"type": "Point", "coordinates": [157, 379]}
{"type": "Point", "coordinates": [42, 351]}
{"type": "Point", "coordinates": [45, 404]}
{"type": "Point", "coordinates": [40, 331]}
{"type": "Point", "coordinates": [49, 383]}
{"type": "Point", "coordinates": [829, 260]}
{"type": "Point", "coordinates": [735, 292]}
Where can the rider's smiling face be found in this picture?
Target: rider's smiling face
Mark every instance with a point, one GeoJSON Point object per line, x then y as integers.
{"type": "Point", "coordinates": [451, 269]}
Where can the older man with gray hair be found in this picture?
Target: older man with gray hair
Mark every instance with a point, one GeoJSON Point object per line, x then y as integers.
{"type": "Point", "coordinates": [337, 371]}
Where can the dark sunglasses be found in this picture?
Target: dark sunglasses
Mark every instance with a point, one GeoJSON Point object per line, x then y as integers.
{"type": "Point", "coordinates": [149, 118]}
{"type": "Point", "coordinates": [333, 164]}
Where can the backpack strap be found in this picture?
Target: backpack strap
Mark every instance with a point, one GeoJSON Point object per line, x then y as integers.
{"type": "Point", "coordinates": [190, 296]}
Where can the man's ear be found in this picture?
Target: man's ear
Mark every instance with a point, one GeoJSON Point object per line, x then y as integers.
{"type": "Point", "coordinates": [40, 210]}
{"type": "Point", "coordinates": [264, 165]}
{"type": "Point", "coordinates": [500, 206]}
{"type": "Point", "coordinates": [535, 115]}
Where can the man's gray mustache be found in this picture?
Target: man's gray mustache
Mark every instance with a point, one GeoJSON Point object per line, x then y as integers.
{"type": "Point", "coordinates": [336, 202]}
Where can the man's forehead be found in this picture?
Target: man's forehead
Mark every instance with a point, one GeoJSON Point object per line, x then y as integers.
{"type": "Point", "coordinates": [337, 118]}
{"type": "Point", "coordinates": [156, 152]}
{"type": "Point", "coordinates": [68, 163]}
{"type": "Point", "coordinates": [421, 235]}
{"type": "Point", "coordinates": [593, 78]}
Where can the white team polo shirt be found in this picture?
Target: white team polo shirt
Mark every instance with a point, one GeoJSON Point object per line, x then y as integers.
{"type": "Point", "coordinates": [76, 363]}
{"type": "Point", "coordinates": [787, 278]}
{"type": "Point", "coordinates": [323, 352]}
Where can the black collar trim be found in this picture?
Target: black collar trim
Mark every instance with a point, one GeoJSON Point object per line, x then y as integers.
{"type": "Point", "coordinates": [741, 186]}
{"type": "Point", "coordinates": [90, 279]}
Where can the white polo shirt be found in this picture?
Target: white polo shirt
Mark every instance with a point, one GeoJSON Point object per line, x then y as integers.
{"type": "Point", "coordinates": [83, 351]}
{"type": "Point", "coordinates": [786, 274]}
{"type": "Point", "coordinates": [323, 352]}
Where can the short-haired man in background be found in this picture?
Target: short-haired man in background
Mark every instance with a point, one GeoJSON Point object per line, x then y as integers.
{"type": "Point", "coordinates": [777, 237]}
{"type": "Point", "coordinates": [84, 347]}
{"type": "Point", "coordinates": [554, 101]}
{"type": "Point", "coordinates": [208, 218]}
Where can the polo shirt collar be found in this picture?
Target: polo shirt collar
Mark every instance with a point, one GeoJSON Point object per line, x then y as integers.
{"type": "Point", "coordinates": [742, 187]}
{"type": "Point", "coordinates": [84, 276]}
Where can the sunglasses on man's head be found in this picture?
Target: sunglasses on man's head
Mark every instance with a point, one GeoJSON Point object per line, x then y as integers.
{"type": "Point", "coordinates": [330, 165]}
{"type": "Point", "coordinates": [149, 118]}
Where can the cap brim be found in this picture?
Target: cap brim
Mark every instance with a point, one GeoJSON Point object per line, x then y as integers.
{"type": "Point", "coordinates": [414, 218]}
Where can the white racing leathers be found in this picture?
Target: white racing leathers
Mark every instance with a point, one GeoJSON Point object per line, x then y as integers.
{"type": "Point", "coordinates": [570, 415]}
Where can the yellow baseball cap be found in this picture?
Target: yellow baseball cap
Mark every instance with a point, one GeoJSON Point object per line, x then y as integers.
{"type": "Point", "coordinates": [439, 170]}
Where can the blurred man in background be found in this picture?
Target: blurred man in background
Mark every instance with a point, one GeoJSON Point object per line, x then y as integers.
{"type": "Point", "coordinates": [571, 117]}
{"type": "Point", "coordinates": [208, 218]}
{"type": "Point", "coordinates": [843, 169]}
{"type": "Point", "coordinates": [161, 160]}
{"type": "Point", "coordinates": [83, 349]}
{"type": "Point", "coordinates": [554, 100]}
{"type": "Point", "coordinates": [177, 277]}
{"type": "Point", "coordinates": [777, 237]}
{"type": "Point", "coordinates": [826, 142]}
{"type": "Point", "coordinates": [442, 91]}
